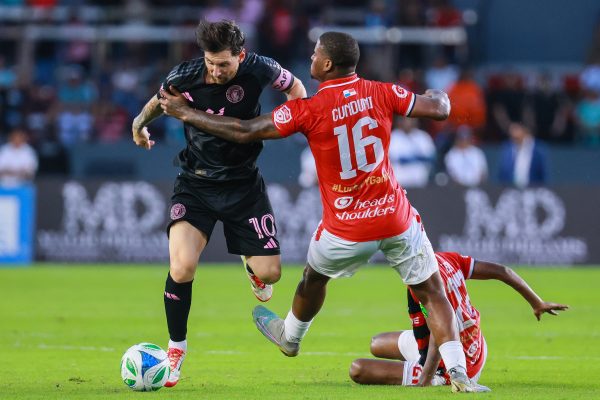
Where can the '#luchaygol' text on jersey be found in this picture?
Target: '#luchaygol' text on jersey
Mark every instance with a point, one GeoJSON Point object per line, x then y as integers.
{"type": "Point", "coordinates": [348, 124]}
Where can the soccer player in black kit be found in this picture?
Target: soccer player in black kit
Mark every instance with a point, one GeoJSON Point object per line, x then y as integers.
{"type": "Point", "coordinates": [219, 180]}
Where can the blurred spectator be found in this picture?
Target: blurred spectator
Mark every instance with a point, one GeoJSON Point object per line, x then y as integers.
{"type": "Point", "coordinates": [74, 125]}
{"type": "Point", "coordinates": [215, 11]}
{"type": "Point", "coordinates": [443, 14]}
{"type": "Point", "coordinates": [587, 118]}
{"type": "Point", "coordinates": [76, 51]}
{"type": "Point", "coordinates": [409, 79]}
{"type": "Point", "coordinates": [522, 159]}
{"type": "Point", "coordinates": [12, 104]}
{"type": "Point", "coordinates": [39, 109]}
{"type": "Point", "coordinates": [75, 90]}
{"type": "Point", "coordinates": [547, 110]}
{"type": "Point", "coordinates": [125, 82]}
{"type": "Point", "coordinates": [308, 169]}
{"type": "Point", "coordinates": [465, 163]}
{"type": "Point", "coordinates": [440, 75]}
{"type": "Point", "coordinates": [112, 123]}
{"type": "Point", "coordinates": [376, 15]}
{"type": "Point", "coordinates": [8, 77]}
{"type": "Point", "coordinates": [590, 77]}
{"type": "Point", "coordinates": [53, 157]}
{"type": "Point", "coordinates": [411, 152]}
{"type": "Point", "coordinates": [468, 102]}
{"type": "Point", "coordinates": [507, 101]}
{"type": "Point", "coordinates": [18, 161]}
{"type": "Point", "coordinates": [281, 30]}
{"type": "Point", "coordinates": [411, 13]}
{"type": "Point", "coordinates": [248, 11]}
{"type": "Point", "coordinates": [136, 12]}
{"type": "Point", "coordinates": [42, 3]}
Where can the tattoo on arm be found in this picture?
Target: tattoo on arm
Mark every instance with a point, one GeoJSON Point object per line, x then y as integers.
{"type": "Point", "coordinates": [149, 112]}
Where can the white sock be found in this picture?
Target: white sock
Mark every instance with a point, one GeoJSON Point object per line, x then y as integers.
{"type": "Point", "coordinates": [178, 345]}
{"type": "Point", "coordinates": [294, 328]}
{"type": "Point", "coordinates": [453, 355]}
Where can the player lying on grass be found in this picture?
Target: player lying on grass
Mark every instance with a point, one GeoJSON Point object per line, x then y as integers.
{"type": "Point", "coordinates": [419, 357]}
{"type": "Point", "coordinates": [347, 124]}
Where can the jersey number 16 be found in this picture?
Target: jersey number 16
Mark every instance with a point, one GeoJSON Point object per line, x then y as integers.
{"type": "Point", "coordinates": [360, 144]}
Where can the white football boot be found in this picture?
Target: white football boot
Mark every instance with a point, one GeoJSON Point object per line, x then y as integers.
{"type": "Point", "coordinates": [261, 290]}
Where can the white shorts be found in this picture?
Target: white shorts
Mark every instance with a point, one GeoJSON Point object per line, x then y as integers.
{"type": "Point", "coordinates": [407, 344]}
{"type": "Point", "coordinates": [409, 253]}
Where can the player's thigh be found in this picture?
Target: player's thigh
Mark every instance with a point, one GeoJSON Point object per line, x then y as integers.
{"type": "Point", "coordinates": [377, 372]}
{"type": "Point", "coordinates": [386, 345]}
{"type": "Point", "coordinates": [411, 254]}
{"type": "Point", "coordinates": [400, 345]}
{"type": "Point", "coordinates": [250, 227]}
{"type": "Point", "coordinates": [335, 257]}
{"type": "Point", "coordinates": [193, 204]}
{"type": "Point", "coordinates": [407, 346]}
{"type": "Point", "coordinates": [186, 243]}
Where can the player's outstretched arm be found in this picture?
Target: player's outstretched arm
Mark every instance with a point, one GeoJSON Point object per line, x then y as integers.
{"type": "Point", "coordinates": [488, 270]}
{"type": "Point", "coordinates": [434, 104]}
{"type": "Point", "coordinates": [151, 111]}
{"type": "Point", "coordinates": [228, 128]}
{"type": "Point", "coordinates": [431, 363]}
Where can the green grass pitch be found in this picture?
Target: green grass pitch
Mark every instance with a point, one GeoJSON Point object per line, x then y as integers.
{"type": "Point", "coordinates": [64, 329]}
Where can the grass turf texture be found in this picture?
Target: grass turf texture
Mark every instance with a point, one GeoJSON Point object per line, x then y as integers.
{"type": "Point", "coordinates": [64, 330]}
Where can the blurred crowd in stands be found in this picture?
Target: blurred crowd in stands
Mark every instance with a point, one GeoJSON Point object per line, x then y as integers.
{"type": "Point", "coordinates": [72, 91]}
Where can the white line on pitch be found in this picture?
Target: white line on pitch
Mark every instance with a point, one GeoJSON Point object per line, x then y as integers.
{"type": "Point", "coordinates": [79, 348]}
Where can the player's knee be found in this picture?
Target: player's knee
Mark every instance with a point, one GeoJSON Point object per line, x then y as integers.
{"type": "Point", "coordinates": [312, 277]}
{"type": "Point", "coordinates": [269, 273]}
{"type": "Point", "coordinates": [357, 371]}
{"type": "Point", "coordinates": [182, 269]}
{"type": "Point", "coordinates": [376, 346]}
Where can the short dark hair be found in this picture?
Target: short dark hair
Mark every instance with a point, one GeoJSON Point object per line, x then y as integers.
{"type": "Point", "coordinates": [215, 37]}
{"type": "Point", "coordinates": [342, 48]}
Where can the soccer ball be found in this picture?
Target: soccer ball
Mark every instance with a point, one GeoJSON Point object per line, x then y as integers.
{"type": "Point", "coordinates": [145, 367]}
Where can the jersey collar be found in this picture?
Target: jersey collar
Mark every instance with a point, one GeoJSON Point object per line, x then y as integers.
{"type": "Point", "coordinates": [338, 82]}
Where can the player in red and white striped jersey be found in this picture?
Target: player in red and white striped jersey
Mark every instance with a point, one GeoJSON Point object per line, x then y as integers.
{"type": "Point", "coordinates": [420, 362]}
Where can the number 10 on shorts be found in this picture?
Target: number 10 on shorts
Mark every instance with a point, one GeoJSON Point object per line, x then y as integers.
{"type": "Point", "coordinates": [264, 227]}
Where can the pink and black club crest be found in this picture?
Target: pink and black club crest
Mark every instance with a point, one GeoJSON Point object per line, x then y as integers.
{"type": "Point", "coordinates": [235, 94]}
{"type": "Point", "coordinates": [177, 211]}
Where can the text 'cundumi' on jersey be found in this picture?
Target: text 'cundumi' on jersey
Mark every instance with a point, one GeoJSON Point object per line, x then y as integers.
{"type": "Point", "coordinates": [348, 124]}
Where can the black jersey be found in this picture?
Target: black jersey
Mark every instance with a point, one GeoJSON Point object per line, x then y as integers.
{"type": "Point", "coordinates": [210, 158]}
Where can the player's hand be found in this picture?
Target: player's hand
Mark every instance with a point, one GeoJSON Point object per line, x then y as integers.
{"type": "Point", "coordinates": [434, 93]}
{"type": "Point", "coordinates": [141, 137]}
{"type": "Point", "coordinates": [173, 104]}
{"type": "Point", "coordinates": [550, 308]}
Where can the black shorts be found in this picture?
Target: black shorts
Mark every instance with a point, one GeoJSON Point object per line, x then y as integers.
{"type": "Point", "coordinates": [242, 206]}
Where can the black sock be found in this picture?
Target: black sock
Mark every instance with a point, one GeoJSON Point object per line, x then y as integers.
{"type": "Point", "coordinates": [178, 300]}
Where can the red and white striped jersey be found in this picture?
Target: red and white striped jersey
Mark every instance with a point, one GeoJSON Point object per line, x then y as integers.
{"type": "Point", "coordinates": [455, 269]}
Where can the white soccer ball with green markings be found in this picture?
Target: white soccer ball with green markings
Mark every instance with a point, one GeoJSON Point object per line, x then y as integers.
{"type": "Point", "coordinates": [145, 367]}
